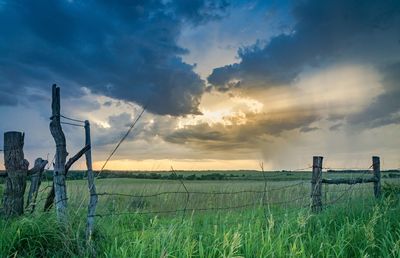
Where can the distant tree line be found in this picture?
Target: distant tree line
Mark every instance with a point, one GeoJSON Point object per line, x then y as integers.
{"type": "Point", "coordinates": [171, 176]}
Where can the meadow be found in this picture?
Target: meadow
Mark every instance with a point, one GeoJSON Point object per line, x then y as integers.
{"type": "Point", "coordinates": [259, 215]}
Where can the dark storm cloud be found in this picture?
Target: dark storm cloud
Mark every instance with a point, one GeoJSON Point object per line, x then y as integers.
{"type": "Point", "coordinates": [199, 11]}
{"type": "Point", "coordinates": [326, 32]}
{"type": "Point", "coordinates": [123, 49]}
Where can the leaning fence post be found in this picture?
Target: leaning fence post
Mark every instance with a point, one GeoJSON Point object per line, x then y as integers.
{"type": "Point", "coordinates": [36, 180]}
{"type": "Point", "coordinates": [91, 185]}
{"type": "Point", "coordinates": [376, 164]}
{"type": "Point", "coordinates": [316, 184]}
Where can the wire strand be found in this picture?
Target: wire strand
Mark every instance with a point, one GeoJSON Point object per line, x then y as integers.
{"type": "Point", "coordinates": [72, 124]}
{"type": "Point", "coordinates": [198, 192]}
{"type": "Point", "coordinates": [199, 209]}
{"type": "Point", "coordinates": [72, 119]}
{"type": "Point", "coordinates": [122, 139]}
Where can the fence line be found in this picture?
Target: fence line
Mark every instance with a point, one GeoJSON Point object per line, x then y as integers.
{"type": "Point", "coordinates": [225, 224]}
{"type": "Point", "coordinates": [201, 209]}
{"type": "Point", "coordinates": [188, 193]}
{"type": "Point", "coordinates": [317, 181]}
{"type": "Point", "coordinates": [257, 201]}
{"type": "Point", "coordinates": [261, 200]}
{"type": "Point", "coordinates": [199, 192]}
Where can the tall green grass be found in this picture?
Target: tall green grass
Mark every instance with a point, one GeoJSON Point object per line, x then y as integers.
{"type": "Point", "coordinates": [364, 230]}
{"type": "Point", "coordinates": [354, 226]}
{"type": "Point", "coordinates": [337, 232]}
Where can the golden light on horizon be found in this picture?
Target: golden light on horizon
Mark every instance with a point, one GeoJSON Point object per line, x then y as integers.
{"type": "Point", "coordinates": [179, 164]}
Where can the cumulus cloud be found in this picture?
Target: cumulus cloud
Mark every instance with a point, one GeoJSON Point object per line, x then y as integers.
{"type": "Point", "coordinates": [325, 33]}
{"type": "Point", "coordinates": [123, 49]}
{"type": "Point", "coordinates": [117, 126]}
{"type": "Point", "coordinates": [249, 132]}
{"type": "Point", "coordinates": [148, 128]}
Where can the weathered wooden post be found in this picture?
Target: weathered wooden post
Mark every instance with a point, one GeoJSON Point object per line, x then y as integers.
{"type": "Point", "coordinates": [376, 164]}
{"type": "Point", "coordinates": [16, 168]}
{"type": "Point", "coordinates": [91, 185]}
{"type": "Point", "coordinates": [316, 184]}
{"type": "Point", "coordinates": [36, 173]}
{"type": "Point", "coordinates": [61, 156]}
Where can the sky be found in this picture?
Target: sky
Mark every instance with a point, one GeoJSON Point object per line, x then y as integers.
{"type": "Point", "coordinates": [227, 84]}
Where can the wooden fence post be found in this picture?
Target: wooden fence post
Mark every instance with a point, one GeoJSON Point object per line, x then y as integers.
{"type": "Point", "coordinates": [17, 169]}
{"type": "Point", "coordinates": [36, 179]}
{"type": "Point", "coordinates": [376, 164]}
{"type": "Point", "coordinates": [60, 188]}
{"type": "Point", "coordinates": [91, 185]}
{"type": "Point", "coordinates": [316, 184]}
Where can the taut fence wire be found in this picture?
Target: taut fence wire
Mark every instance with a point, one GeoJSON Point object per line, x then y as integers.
{"type": "Point", "coordinates": [200, 192]}
{"type": "Point", "coordinates": [122, 139]}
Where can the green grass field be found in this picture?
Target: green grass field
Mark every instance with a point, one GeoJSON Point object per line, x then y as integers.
{"type": "Point", "coordinates": [157, 218]}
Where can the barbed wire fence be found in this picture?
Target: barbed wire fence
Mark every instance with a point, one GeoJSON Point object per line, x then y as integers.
{"type": "Point", "coordinates": [288, 205]}
{"type": "Point", "coordinates": [346, 192]}
{"type": "Point", "coordinates": [281, 198]}
{"type": "Point", "coordinates": [260, 200]}
{"type": "Point", "coordinates": [291, 197]}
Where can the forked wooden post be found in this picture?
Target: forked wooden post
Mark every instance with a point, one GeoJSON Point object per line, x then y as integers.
{"type": "Point", "coordinates": [376, 164]}
{"type": "Point", "coordinates": [91, 185]}
{"type": "Point", "coordinates": [61, 167]}
{"type": "Point", "coordinates": [316, 184]}
{"type": "Point", "coordinates": [61, 156]}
